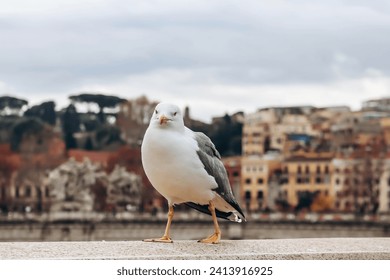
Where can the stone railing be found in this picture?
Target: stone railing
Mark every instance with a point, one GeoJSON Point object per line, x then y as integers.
{"type": "Point", "coordinates": [276, 249]}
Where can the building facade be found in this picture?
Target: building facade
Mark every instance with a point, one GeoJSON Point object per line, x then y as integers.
{"type": "Point", "coordinates": [307, 174]}
{"type": "Point", "coordinates": [256, 172]}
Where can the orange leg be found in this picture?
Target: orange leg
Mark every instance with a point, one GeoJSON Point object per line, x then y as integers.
{"type": "Point", "coordinates": [216, 236]}
{"type": "Point", "coordinates": [166, 237]}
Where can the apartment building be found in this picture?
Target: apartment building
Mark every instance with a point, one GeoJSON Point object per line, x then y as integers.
{"type": "Point", "coordinates": [256, 132]}
{"type": "Point", "coordinates": [233, 168]}
{"type": "Point", "coordinates": [307, 172]}
{"type": "Point", "coordinates": [256, 172]}
{"type": "Point", "coordinates": [384, 188]}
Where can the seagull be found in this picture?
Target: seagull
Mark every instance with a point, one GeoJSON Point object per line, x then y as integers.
{"type": "Point", "coordinates": [185, 167]}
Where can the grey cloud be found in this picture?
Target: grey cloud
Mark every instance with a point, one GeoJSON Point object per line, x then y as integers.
{"type": "Point", "coordinates": [225, 42]}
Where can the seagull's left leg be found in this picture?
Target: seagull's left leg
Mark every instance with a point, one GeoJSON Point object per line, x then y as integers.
{"type": "Point", "coordinates": [166, 237]}
{"type": "Point", "coordinates": [216, 236]}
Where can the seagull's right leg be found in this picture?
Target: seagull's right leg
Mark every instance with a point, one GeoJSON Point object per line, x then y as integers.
{"type": "Point", "coordinates": [216, 237]}
{"type": "Point", "coordinates": [166, 237]}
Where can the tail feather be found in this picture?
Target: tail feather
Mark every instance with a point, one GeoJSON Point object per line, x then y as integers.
{"type": "Point", "coordinates": [224, 215]}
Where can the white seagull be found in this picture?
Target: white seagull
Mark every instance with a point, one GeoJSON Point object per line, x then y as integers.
{"type": "Point", "coordinates": [184, 167]}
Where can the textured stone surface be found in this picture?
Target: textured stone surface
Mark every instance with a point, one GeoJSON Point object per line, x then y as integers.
{"type": "Point", "coordinates": [285, 249]}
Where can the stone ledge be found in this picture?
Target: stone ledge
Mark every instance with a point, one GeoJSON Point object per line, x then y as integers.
{"type": "Point", "coordinates": [276, 249]}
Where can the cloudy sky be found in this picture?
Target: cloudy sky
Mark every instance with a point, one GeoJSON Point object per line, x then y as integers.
{"type": "Point", "coordinates": [216, 56]}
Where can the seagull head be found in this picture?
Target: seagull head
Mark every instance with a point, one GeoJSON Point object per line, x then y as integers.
{"type": "Point", "coordinates": [167, 116]}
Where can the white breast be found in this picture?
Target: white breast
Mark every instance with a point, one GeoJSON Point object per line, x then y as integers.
{"type": "Point", "coordinates": [173, 167]}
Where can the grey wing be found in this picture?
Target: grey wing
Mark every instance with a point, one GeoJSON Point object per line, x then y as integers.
{"type": "Point", "coordinates": [211, 160]}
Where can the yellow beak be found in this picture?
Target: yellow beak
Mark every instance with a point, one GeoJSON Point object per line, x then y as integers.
{"type": "Point", "coordinates": [163, 119]}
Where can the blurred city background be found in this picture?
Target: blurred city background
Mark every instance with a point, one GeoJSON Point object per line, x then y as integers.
{"type": "Point", "coordinates": [294, 94]}
{"type": "Point", "coordinates": [299, 171]}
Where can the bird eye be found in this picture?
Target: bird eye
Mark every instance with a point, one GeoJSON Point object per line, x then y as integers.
{"type": "Point", "coordinates": [156, 111]}
{"type": "Point", "coordinates": [175, 113]}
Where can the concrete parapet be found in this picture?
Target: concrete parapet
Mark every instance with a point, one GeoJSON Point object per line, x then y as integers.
{"type": "Point", "coordinates": [277, 249]}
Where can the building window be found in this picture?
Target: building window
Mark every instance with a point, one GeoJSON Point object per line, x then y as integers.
{"type": "Point", "coordinates": [286, 171]}
{"type": "Point", "coordinates": [307, 170]}
{"type": "Point", "coordinates": [318, 180]}
{"type": "Point", "coordinates": [38, 192]}
{"type": "Point", "coordinates": [17, 192]}
{"type": "Point", "coordinates": [47, 192]}
{"type": "Point", "coordinates": [248, 181]}
{"type": "Point", "coordinates": [260, 181]}
{"type": "Point", "coordinates": [248, 195]}
{"type": "Point", "coordinates": [28, 192]}
{"type": "Point", "coordinates": [326, 169]}
{"type": "Point", "coordinates": [299, 169]}
{"type": "Point", "coordinates": [260, 195]}
{"type": "Point", "coordinates": [337, 181]}
{"type": "Point", "coordinates": [356, 181]}
{"type": "Point", "coordinates": [318, 169]}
